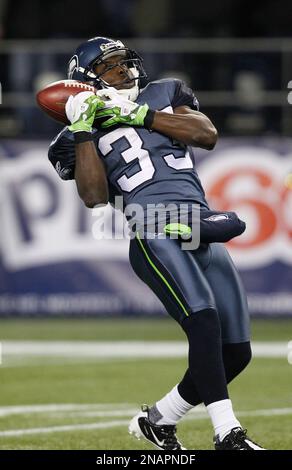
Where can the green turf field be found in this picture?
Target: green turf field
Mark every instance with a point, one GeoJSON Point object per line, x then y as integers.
{"type": "Point", "coordinates": [63, 402]}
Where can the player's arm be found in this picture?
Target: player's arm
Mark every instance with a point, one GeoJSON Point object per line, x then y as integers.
{"type": "Point", "coordinates": [79, 162]}
{"type": "Point", "coordinates": [187, 126]}
{"type": "Point", "coordinates": [90, 175]}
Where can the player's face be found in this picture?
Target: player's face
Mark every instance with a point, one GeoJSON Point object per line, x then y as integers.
{"type": "Point", "coordinates": [114, 72]}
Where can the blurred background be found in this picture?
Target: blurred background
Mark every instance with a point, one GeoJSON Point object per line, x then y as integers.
{"type": "Point", "coordinates": [237, 56]}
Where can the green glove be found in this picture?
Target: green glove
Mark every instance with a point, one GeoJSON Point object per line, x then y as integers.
{"type": "Point", "coordinates": [122, 115]}
{"type": "Point", "coordinates": [81, 109]}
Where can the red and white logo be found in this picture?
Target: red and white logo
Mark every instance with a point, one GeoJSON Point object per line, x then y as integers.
{"type": "Point", "coordinates": [253, 182]}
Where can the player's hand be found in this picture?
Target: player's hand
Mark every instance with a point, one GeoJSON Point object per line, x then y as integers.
{"type": "Point", "coordinates": [80, 110]}
{"type": "Point", "coordinates": [122, 111]}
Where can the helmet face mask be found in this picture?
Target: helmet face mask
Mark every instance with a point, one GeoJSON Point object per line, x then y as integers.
{"type": "Point", "coordinates": [94, 52]}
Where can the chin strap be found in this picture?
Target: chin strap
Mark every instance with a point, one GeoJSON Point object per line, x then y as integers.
{"type": "Point", "coordinates": [130, 94]}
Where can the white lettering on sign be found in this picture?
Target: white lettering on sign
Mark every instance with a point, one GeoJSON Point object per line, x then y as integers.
{"type": "Point", "coordinates": [42, 218]}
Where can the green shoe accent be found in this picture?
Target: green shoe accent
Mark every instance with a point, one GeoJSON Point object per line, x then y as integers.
{"type": "Point", "coordinates": [179, 229]}
{"type": "Point", "coordinates": [161, 276]}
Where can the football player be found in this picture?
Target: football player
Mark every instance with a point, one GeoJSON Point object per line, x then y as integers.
{"type": "Point", "coordinates": [142, 149]}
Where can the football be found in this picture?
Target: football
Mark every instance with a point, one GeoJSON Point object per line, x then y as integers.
{"type": "Point", "coordinates": [52, 99]}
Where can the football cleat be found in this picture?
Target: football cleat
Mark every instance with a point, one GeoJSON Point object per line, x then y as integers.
{"type": "Point", "coordinates": [161, 435]}
{"type": "Point", "coordinates": [236, 440]}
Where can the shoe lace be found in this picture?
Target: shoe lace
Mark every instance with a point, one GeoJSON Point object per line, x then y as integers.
{"type": "Point", "coordinates": [238, 437]}
{"type": "Point", "coordinates": [169, 435]}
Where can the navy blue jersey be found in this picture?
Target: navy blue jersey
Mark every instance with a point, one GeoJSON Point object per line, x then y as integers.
{"type": "Point", "coordinates": [143, 166]}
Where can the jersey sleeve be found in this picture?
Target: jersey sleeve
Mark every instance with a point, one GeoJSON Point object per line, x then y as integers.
{"type": "Point", "coordinates": [184, 96]}
{"type": "Point", "coordinates": [62, 155]}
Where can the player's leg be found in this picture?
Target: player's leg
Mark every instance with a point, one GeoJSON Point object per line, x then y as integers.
{"type": "Point", "coordinates": [234, 319]}
{"type": "Point", "coordinates": [173, 406]}
{"type": "Point", "coordinates": [231, 302]}
{"type": "Point", "coordinates": [235, 358]}
{"type": "Point", "coordinates": [178, 280]}
{"type": "Point", "coordinates": [233, 314]}
{"type": "Point", "coordinates": [230, 296]}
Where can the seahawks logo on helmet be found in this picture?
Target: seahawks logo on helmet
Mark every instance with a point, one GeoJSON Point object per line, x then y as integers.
{"type": "Point", "coordinates": [111, 45]}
